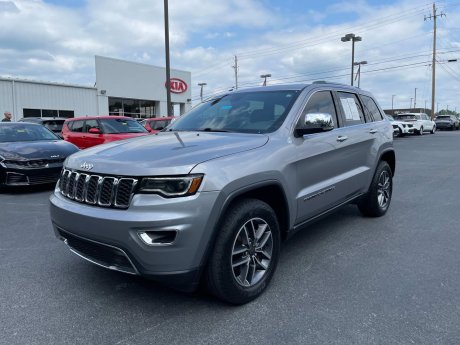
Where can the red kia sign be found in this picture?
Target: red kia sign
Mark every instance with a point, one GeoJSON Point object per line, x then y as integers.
{"type": "Point", "coordinates": [177, 85]}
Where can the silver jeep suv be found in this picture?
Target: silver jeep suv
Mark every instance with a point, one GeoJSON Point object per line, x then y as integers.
{"type": "Point", "coordinates": [210, 198]}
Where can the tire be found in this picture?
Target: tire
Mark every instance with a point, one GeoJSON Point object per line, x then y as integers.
{"type": "Point", "coordinates": [376, 201]}
{"type": "Point", "coordinates": [238, 271]}
{"type": "Point", "coordinates": [400, 133]}
{"type": "Point", "coordinates": [452, 128]}
{"type": "Point", "coordinates": [433, 130]}
{"type": "Point", "coordinates": [420, 132]}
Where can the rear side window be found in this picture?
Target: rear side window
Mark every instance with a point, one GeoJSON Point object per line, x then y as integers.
{"type": "Point", "coordinates": [353, 113]}
{"type": "Point", "coordinates": [76, 126]}
{"type": "Point", "coordinates": [91, 124]}
{"type": "Point", "coordinates": [371, 111]}
{"type": "Point", "coordinates": [320, 102]}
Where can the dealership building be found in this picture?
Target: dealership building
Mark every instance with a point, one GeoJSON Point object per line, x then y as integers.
{"type": "Point", "coordinates": [122, 88]}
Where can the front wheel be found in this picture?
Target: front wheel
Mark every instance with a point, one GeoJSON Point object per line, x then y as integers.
{"type": "Point", "coordinates": [433, 130]}
{"type": "Point", "coordinates": [376, 201]}
{"type": "Point", "coordinates": [420, 132]}
{"type": "Point", "coordinates": [246, 252]}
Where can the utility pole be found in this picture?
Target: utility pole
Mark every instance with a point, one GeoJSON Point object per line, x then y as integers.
{"type": "Point", "coordinates": [236, 72]}
{"type": "Point", "coordinates": [392, 98]}
{"type": "Point", "coordinates": [433, 64]}
{"type": "Point", "coordinates": [168, 67]}
{"type": "Point", "coordinates": [411, 103]}
{"type": "Point", "coordinates": [425, 106]}
{"type": "Point", "coordinates": [415, 99]}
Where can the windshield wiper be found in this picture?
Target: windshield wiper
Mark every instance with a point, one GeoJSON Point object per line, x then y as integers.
{"type": "Point", "coordinates": [208, 129]}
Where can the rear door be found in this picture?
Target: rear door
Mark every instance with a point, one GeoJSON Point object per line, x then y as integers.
{"type": "Point", "coordinates": [75, 134]}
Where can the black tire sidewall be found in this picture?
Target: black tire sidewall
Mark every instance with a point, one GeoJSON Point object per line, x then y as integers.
{"type": "Point", "coordinates": [220, 276]}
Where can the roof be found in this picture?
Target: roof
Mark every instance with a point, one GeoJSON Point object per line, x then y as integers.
{"type": "Point", "coordinates": [46, 83]}
{"type": "Point", "coordinates": [99, 117]}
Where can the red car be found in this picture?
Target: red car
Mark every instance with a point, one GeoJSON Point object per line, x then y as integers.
{"type": "Point", "coordinates": [89, 131]}
{"type": "Point", "coordinates": [156, 124]}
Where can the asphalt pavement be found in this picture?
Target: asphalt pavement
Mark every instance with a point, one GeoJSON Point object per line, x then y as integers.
{"type": "Point", "coordinates": [344, 280]}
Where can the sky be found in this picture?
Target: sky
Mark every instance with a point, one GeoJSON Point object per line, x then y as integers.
{"type": "Point", "coordinates": [294, 41]}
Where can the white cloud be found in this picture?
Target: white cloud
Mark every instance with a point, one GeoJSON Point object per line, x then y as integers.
{"type": "Point", "coordinates": [49, 42]}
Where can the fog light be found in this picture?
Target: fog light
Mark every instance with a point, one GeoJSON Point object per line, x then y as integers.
{"type": "Point", "coordinates": [158, 238]}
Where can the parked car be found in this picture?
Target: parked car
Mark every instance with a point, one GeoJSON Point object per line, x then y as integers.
{"type": "Point", "coordinates": [30, 154]}
{"type": "Point", "coordinates": [156, 124]}
{"type": "Point", "coordinates": [400, 128]}
{"type": "Point", "coordinates": [447, 122]}
{"type": "Point", "coordinates": [94, 130]}
{"type": "Point", "coordinates": [54, 124]}
{"type": "Point", "coordinates": [214, 195]}
{"type": "Point", "coordinates": [421, 121]}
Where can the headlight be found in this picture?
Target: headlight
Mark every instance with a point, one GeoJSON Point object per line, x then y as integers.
{"type": "Point", "coordinates": [171, 186]}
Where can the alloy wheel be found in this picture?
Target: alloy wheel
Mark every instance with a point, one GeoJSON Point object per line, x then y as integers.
{"type": "Point", "coordinates": [252, 252]}
{"type": "Point", "coordinates": [384, 189]}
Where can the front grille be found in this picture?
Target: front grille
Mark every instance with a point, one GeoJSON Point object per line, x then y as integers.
{"type": "Point", "coordinates": [101, 254]}
{"type": "Point", "coordinates": [20, 179]}
{"type": "Point", "coordinates": [33, 163]}
{"type": "Point", "coordinates": [105, 191]}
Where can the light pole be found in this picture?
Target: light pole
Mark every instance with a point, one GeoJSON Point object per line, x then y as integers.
{"type": "Point", "coordinates": [168, 67]}
{"type": "Point", "coordinates": [358, 74]}
{"type": "Point", "coordinates": [265, 76]}
{"type": "Point", "coordinates": [201, 90]}
{"type": "Point", "coordinates": [392, 98]}
{"type": "Point", "coordinates": [353, 38]}
{"type": "Point", "coordinates": [410, 103]}
{"type": "Point", "coordinates": [415, 98]}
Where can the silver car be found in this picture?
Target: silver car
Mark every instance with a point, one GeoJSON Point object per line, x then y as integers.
{"type": "Point", "coordinates": [211, 197]}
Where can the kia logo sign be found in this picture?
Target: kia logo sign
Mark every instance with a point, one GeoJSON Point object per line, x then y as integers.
{"type": "Point", "coordinates": [177, 85]}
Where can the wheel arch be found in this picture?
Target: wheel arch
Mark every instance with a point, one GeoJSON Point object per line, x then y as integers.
{"type": "Point", "coordinates": [389, 157]}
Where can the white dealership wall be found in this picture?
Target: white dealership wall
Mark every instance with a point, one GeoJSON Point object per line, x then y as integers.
{"type": "Point", "coordinates": [114, 78]}
{"type": "Point", "coordinates": [125, 79]}
{"type": "Point", "coordinates": [17, 94]}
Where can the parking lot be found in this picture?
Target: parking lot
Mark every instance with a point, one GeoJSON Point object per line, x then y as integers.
{"type": "Point", "coordinates": [345, 280]}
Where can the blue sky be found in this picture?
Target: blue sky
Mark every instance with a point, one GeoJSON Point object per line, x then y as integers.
{"type": "Point", "coordinates": [293, 40]}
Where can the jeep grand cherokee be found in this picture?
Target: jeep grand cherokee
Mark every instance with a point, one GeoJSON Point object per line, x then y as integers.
{"type": "Point", "coordinates": [211, 197]}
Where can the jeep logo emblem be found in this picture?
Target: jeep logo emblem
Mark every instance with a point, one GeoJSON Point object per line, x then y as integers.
{"type": "Point", "coordinates": [86, 166]}
{"type": "Point", "coordinates": [177, 85]}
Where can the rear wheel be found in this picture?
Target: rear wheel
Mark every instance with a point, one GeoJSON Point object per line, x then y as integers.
{"type": "Point", "coordinates": [245, 254]}
{"type": "Point", "coordinates": [376, 201]}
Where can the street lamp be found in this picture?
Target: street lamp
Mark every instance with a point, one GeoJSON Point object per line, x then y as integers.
{"type": "Point", "coordinates": [353, 38]}
{"type": "Point", "coordinates": [265, 76]}
{"type": "Point", "coordinates": [358, 74]}
{"type": "Point", "coordinates": [201, 90]}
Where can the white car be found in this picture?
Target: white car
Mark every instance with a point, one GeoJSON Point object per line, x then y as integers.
{"type": "Point", "coordinates": [400, 128]}
{"type": "Point", "coordinates": [421, 121]}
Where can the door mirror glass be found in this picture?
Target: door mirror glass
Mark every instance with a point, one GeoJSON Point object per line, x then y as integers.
{"type": "Point", "coordinates": [316, 123]}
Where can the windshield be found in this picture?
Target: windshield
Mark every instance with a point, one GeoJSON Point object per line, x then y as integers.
{"type": "Point", "coordinates": [112, 126]}
{"type": "Point", "coordinates": [443, 118]}
{"type": "Point", "coordinates": [248, 112]}
{"type": "Point", "coordinates": [159, 124]}
{"type": "Point", "coordinates": [55, 126]}
{"type": "Point", "coordinates": [25, 132]}
{"type": "Point", "coordinates": [405, 117]}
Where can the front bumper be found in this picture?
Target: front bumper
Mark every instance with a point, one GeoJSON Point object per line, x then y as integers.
{"type": "Point", "coordinates": [110, 237]}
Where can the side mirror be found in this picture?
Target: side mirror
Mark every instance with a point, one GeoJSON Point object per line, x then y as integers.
{"type": "Point", "coordinates": [94, 130]}
{"type": "Point", "coordinates": [315, 123]}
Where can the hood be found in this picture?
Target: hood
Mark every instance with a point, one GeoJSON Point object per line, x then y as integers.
{"type": "Point", "coordinates": [40, 149]}
{"type": "Point", "coordinates": [166, 153]}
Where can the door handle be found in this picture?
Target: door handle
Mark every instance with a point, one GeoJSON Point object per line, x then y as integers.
{"type": "Point", "coordinates": [342, 138]}
{"type": "Point", "coordinates": [373, 131]}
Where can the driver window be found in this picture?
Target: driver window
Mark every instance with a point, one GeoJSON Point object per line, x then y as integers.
{"type": "Point", "coordinates": [320, 102]}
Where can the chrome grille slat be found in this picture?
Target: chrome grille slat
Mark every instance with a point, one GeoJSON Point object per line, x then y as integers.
{"type": "Point", "coordinates": [104, 191]}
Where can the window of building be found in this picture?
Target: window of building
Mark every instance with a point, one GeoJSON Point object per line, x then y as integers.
{"type": "Point", "coordinates": [27, 112]}
{"type": "Point", "coordinates": [137, 108]}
